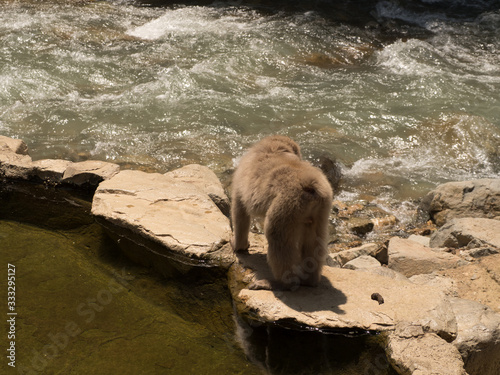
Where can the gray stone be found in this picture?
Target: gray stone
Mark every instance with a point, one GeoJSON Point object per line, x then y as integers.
{"type": "Point", "coordinates": [476, 198]}
{"type": "Point", "coordinates": [411, 258]}
{"type": "Point", "coordinates": [206, 180]}
{"type": "Point", "coordinates": [460, 232]}
{"type": "Point", "coordinates": [170, 212]}
{"type": "Point", "coordinates": [89, 172]}
{"type": "Point", "coordinates": [478, 338]}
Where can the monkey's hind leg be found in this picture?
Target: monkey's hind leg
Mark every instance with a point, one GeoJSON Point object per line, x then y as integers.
{"type": "Point", "coordinates": [241, 225]}
{"type": "Point", "coordinates": [314, 252]}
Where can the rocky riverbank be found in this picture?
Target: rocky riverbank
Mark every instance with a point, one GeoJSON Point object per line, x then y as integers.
{"type": "Point", "coordinates": [434, 299]}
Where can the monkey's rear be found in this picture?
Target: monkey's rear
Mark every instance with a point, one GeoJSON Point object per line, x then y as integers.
{"type": "Point", "coordinates": [294, 197]}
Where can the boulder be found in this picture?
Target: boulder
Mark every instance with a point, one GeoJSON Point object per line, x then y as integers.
{"type": "Point", "coordinates": [478, 339]}
{"type": "Point", "coordinates": [15, 166]}
{"type": "Point", "coordinates": [341, 303]}
{"type": "Point", "coordinates": [164, 210]}
{"type": "Point", "coordinates": [373, 249]}
{"type": "Point", "coordinates": [476, 198]}
{"type": "Point", "coordinates": [89, 172]}
{"type": "Point", "coordinates": [411, 258]}
{"type": "Point", "coordinates": [411, 351]}
{"type": "Point", "coordinates": [16, 146]}
{"type": "Point", "coordinates": [461, 232]}
{"type": "Point", "coordinates": [362, 262]}
{"type": "Point", "coordinates": [423, 240]}
{"type": "Point", "coordinates": [446, 284]}
{"type": "Point", "coordinates": [51, 170]}
{"type": "Point", "coordinates": [475, 282]}
{"type": "Point", "coordinates": [207, 181]}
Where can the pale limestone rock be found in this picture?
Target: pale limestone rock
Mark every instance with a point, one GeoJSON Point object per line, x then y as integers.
{"type": "Point", "coordinates": [362, 262]}
{"type": "Point", "coordinates": [422, 240]}
{"type": "Point", "coordinates": [51, 170]}
{"type": "Point", "coordinates": [163, 209]}
{"type": "Point", "coordinates": [476, 198]}
{"type": "Point", "coordinates": [341, 301]}
{"type": "Point", "coordinates": [411, 351]}
{"type": "Point", "coordinates": [90, 172]}
{"type": "Point", "coordinates": [461, 232]}
{"type": "Point", "coordinates": [16, 166]}
{"type": "Point", "coordinates": [478, 338]}
{"type": "Point", "coordinates": [16, 146]}
{"type": "Point", "coordinates": [446, 284]}
{"type": "Point", "coordinates": [411, 258]}
{"type": "Point", "coordinates": [206, 180]}
{"type": "Point", "coordinates": [373, 249]}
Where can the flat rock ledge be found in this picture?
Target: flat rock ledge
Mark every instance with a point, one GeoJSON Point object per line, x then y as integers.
{"type": "Point", "coordinates": [426, 327]}
{"type": "Point", "coordinates": [175, 218]}
{"type": "Point", "coordinates": [16, 164]}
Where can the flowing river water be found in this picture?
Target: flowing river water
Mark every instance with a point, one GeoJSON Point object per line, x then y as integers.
{"type": "Point", "coordinates": [404, 94]}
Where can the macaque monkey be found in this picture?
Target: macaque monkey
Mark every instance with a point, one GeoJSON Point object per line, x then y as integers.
{"type": "Point", "coordinates": [295, 199]}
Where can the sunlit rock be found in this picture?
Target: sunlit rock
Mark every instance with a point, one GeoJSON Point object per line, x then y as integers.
{"type": "Point", "coordinates": [51, 170]}
{"type": "Point", "coordinates": [206, 180]}
{"type": "Point", "coordinates": [16, 146]}
{"type": "Point", "coordinates": [15, 166]}
{"type": "Point", "coordinates": [476, 198]}
{"type": "Point", "coordinates": [412, 258]}
{"type": "Point", "coordinates": [342, 302]}
{"type": "Point", "coordinates": [90, 172]}
{"type": "Point", "coordinates": [411, 351]}
{"type": "Point", "coordinates": [478, 338]}
{"type": "Point", "coordinates": [166, 211]}
{"type": "Point", "coordinates": [471, 232]}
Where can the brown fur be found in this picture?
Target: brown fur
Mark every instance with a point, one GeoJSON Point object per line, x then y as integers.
{"type": "Point", "coordinates": [272, 181]}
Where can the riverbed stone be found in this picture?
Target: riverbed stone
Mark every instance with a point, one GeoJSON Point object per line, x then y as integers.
{"type": "Point", "coordinates": [16, 166]}
{"type": "Point", "coordinates": [476, 198]}
{"type": "Point", "coordinates": [342, 301]}
{"type": "Point", "coordinates": [478, 338]}
{"type": "Point", "coordinates": [375, 250]}
{"type": "Point", "coordinates": [16, 146]}
{"type": "Point", "coordinates": [362, 262]}
{"type": "Point", "coordinates": [51, 170]}
{"type": "Point", "coordinates": [475, 282]}
{"type": "Point", "coordinates": [459, 233]}
{"type": "Point", "coordinates": [206, 180]}
{"type": "Point", "coordinates": [413, 352]}
{"type": "Point", "coordinates": [163, 209]}
{"type": "Point", "coordinates": [89, 172]}
{"type": "Point", "coordinates": [412, 258]}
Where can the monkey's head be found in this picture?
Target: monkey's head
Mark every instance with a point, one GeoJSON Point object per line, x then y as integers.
{"type": "Point", "coordinates": [280, 143]}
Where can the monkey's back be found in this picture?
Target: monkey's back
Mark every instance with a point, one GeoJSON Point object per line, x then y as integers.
{"type": "Point", "coordinates": [262, 176]}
